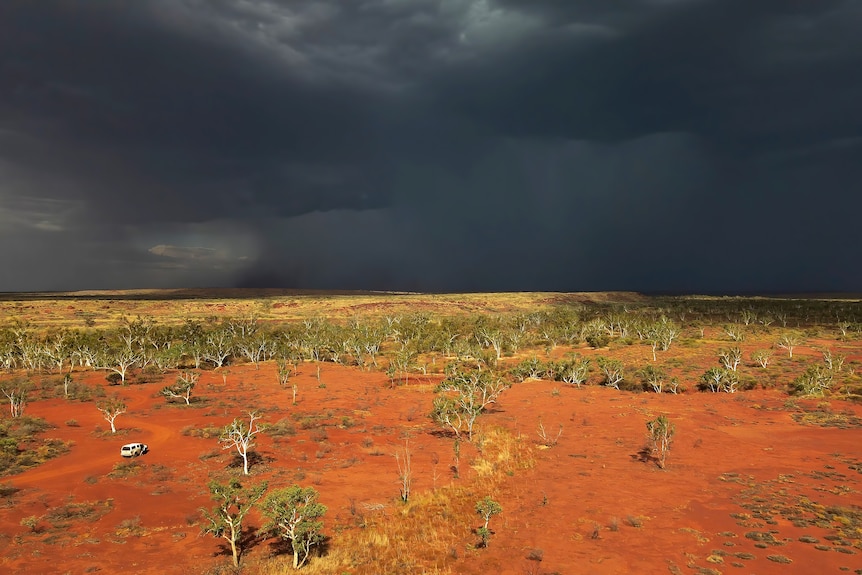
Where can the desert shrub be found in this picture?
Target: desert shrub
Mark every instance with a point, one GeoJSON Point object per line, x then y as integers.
{"type": "Point", "coordinates": [308, 422]}
{"type": "Point", "coordinates": [205, 432]}
{"type": "Point", "coordinates": [149, 374]}
{"type": "Point", "coordinates": [131, 526]}
{"type": "Point", "coordinates": [212, 454]}
{"type": "Point", "coordinates": [612, 369]}
{"type": "Point", "coordinates": [114, 378]}
{"type": "Point", "coordinates": [30, 522]}
{"type": "Point", "coordinates": [123, 469]}
{"type": "Point", "coordinates": [81, 392]}
{"type": "Point", "coordinates": [531, 368]}
{"type": "Point", "coordinates": [631, 386]}
{"type": "Point", "coordinates": [597, 340]}
{"type": "Point", "coordinates": [815, 382]}
{"type": "Point", "coordinates": [21, 446]}
{"type": "Point", "coordinates": [319, 434]}
{"type": "Point", "coordinates": [61, 515]}
{"type": "Point", "coordinates": [281, 428]}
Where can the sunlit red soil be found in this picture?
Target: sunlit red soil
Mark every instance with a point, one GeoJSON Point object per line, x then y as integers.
{"type": "Point", "coordinates": [744, 480]}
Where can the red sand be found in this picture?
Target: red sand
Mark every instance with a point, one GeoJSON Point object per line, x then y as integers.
{"type": "Point", "coordinates": [729, 450]}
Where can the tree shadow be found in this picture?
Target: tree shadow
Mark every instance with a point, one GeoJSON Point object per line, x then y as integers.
{"type": "Point", "coordinates": [281, 546]}
{"type": "Point", "coordinates": [248, 539]}
{"type": "Point", "coordinates": [443, 433]}
{"type": "Point", "coordinates": [483, 541]}
{"type": "Point", "coordinates": [254, 458]}
{"type": "Point", "coordinates": [645, 455]}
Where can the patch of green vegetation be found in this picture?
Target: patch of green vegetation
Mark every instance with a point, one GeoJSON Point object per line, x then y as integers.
{"type": "Point", "coordinates": [61, 516]}
{"type": "Point", "coordinates": [206, 432]}
{"type": "Point", "coordinates": [124, 469]}
{"type": "Point", "coordinates": [21, 446]}
{"type": "Point", "coordinates": [281, 428]}
{"type": "Point", "coordinates": [827, 418]}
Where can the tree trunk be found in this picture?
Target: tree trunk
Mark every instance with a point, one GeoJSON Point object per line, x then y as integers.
{"type": "Point", "coordinates": [234, 550]}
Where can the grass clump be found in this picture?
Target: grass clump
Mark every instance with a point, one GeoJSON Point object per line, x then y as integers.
{"type": "Point", "coordinates": [22, 447]}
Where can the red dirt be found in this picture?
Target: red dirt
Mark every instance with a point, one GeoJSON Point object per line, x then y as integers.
{"type": "Point", "coordinates": [730, 451]}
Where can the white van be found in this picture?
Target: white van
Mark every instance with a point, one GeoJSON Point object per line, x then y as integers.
{"type": "Point", "coordinates": [134, 449]}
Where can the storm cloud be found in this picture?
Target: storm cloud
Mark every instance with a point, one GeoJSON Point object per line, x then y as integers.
{"type": "Point", "coordinates": [654, 145]}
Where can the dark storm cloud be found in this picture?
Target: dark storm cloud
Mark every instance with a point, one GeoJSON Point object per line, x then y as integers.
{"type": "Point", "coordinates": [432, 144]}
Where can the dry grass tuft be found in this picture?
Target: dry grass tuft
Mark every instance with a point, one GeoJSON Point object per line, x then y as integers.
{"type": "Point", "coordinates": [422, 535]}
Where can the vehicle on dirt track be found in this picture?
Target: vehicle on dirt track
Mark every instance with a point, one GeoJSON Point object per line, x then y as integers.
{"type": "Point", "coordinates": [134, 449]}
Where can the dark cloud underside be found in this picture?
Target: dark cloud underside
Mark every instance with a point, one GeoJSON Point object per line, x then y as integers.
{"type": "Point", "coordinates": [683, 145]}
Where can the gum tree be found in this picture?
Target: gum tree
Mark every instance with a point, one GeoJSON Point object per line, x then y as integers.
{"type": "Point", "coordinates": [465, 393]}
{"type": "Point", "coordinates": [283, 372]}
{"type": "Point", "coordinates": [17, 393]}
{"type": "Point", "coordinates": [240, 436]}
{"type": "Point", "coordinates": [654, 377]}
{"type": "Point", "coordinates": [718, 379]}
{"type": "Point", "coordinates": [612, 370]}
{"type": "Point", "coordinates": [762, 357]}
{"type": "Point", "coordinates": [487, 508]}
{"type": "Point", "coordinates": [111, 409]}
{"type": "Point", "coordinates": [232, 503]}
{"type": "Point", "coordinates": [575, 370]}
{"type": "Point", "coordinates": [660, 431]}
{"type": "Point", "coordinates": [182, 389]}
{"type": "Point", "coordinates": [118, 360]}
{"type": "Point", "coordinates": [788, 341]}
{"type": "Point", "coordinates": [730, 358]}
{"type": "Point", "coordinates": [293, 513]}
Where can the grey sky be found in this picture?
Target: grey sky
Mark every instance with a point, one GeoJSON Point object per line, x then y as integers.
{"type": "Point", "coordinates": [674, 145]}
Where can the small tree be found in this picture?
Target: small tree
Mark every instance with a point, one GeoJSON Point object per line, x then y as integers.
{"type": "Point", "coordinates": [575, 371]}
{"type": "Point", "coordinates": [224, 520]}
{"type": "Point", "coordinates": [654, 377]}
{"type": "Point", "coordinates": [449, 413]}
{"type": "Point", "coordinates": [730, 358]}
{"type": "Point", "coordinates": [762, 357]}
{"type": "Point", "coordinates": [661, 432]}
{"type": "Point", "coordinates": [111, 409]}
{"type": "Point", "coordinates": [405, 472]}
{"type": "Point", "coordinates": [284, 369]}
{"type": "Point", "coordinates": [294, 514]}
{"type": "Point", "coordinates": [788, 341]}
{"type": "Point", "coordinates": [734, 332]}
{"type": "Point", "coordinates": [464, 394]}
{"type": "Point", "coordinates": [834, 363]}
{"type": "Point", "coordinates": [663, 334]}
{"type": "Point", "coordinates": [814, 382]}
{"type": "Point", "coordinates": [119, 361]}
{"type": "Point", "coordinates": [487, 508]}
{"type": "Point", "coordinates": [237, 435]}
{"type": "Point", "coordinates": [719, 379]}
{"type": "Point", "coordinates": [17, 393]}
{"type": "Point", "coordinates": [612, 370]}
{"type": "Point", "coordinates": [186, 381]}
{"type": "Point", "coordinates": [548, 439]}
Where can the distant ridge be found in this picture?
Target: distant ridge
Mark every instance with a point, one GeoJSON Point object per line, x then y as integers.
{"type": "Point", "coordinates": [183, 293]}
{"type": "Point", "coordinates": [251, 293]}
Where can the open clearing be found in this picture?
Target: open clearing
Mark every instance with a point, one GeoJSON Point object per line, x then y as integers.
{"type": "Point", "coordinates": [756, 481]}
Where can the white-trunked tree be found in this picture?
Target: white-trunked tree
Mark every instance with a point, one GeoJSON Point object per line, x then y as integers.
{"type": "Point", "coordinates": [240, 436]}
